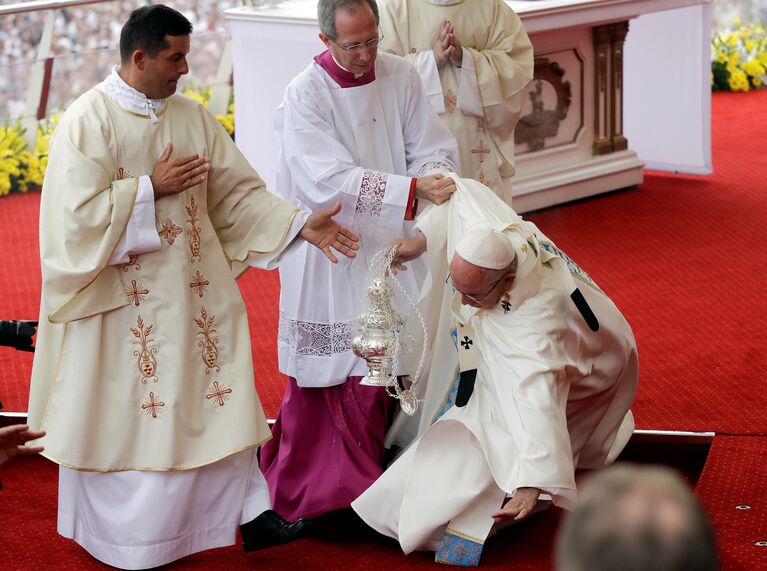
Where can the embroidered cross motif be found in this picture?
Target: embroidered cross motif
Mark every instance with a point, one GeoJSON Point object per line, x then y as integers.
{"type": "Point", "coordinates": [199, 284]}
{"type": "Point", "coordinates": [152, 405]}
{"type": "Point", "coordinates": [136, 292]}
{"type": "Point", "coordinates": [466, 342]}
{"type": "Point", "coordinates": [169, 231]}
{"type": "Point", "coordinates": [484, 180]}
{"type": "Point", "coordinates": [480, 152]}
{"type": "Point", "coordinates": [506, 306]}
{"type": "Point", "coordinates": [132, 263]}
{"type": "Point", "coordinates": [450, 101]}
{"type": "Point", "coordinates": [218, 393]}
{"type": "Point", "coordinates": [481, 124]}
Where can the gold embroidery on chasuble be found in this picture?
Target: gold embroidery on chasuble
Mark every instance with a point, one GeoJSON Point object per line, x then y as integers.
{"type": "Point", "coordinates": [218, 393]}
{"type": "Point", "coordinates": [193, 231]}
{"type": "Point", "coordinates": [480, 151]}
{"type": "Point", "coordinates": [145, 355]}
{"type": "Point", "coordinates": [152, 405]}
{"type": "Point", "coordinates": [451, 101]}
{"type": "Point", "coordinates": [132, 263]}
{"type": "Point", "coordinates": [199, 284]}
{"type": "Point", "coordinates": [169, 231]}
{"type": "Point", "coordinates": [484, 180]}
{"type": "Point", "coordinates": [208, 342]}
{"type": "Point", "coordinates": [136, 292]}
{"type": "Point", "coordinates": [122, 173]}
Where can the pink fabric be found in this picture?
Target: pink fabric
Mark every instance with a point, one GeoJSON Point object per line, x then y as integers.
{"type": "Point", "coordinates": [327, 447]}
{"type": "Point", "coordinates": [341, 76]}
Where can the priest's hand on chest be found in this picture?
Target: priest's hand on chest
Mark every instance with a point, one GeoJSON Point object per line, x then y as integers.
{"type": "Point", "coordinates": [175, 175]}
{"type": "Point", "coordinates": [325, 233]}
{"type": "Point", "coordinates": [435, 188]}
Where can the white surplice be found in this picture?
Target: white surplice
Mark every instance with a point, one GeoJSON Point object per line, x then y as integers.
{"type": "Point", "coordinates": [361, 146]}
{"type": "Point", "coordinates": [550, 396]}
{"type": "Point", "coordinates": [137, 519]}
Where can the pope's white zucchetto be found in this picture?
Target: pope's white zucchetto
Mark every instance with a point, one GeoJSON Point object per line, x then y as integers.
{"type": "Point", "coordinates": [486, 248]}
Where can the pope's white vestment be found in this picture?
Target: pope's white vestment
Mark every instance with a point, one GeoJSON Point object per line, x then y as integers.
{"type": "Point", "coordinates": [142, 377]}
{"type": "Point", "coordinates": [551, 395]}
{"type": "Point", "coordinates": [480, 101]}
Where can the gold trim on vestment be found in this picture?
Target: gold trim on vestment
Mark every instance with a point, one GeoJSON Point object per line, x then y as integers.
{"type": "Point", "coordinates": [56, 376]}
{"type": "Point", "coordinates": [179, 469]}
{"type": "Point", "coordinates": [450, 530]}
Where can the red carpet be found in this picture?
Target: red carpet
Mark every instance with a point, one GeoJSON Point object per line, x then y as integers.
{"type": "Point", "coordinates": [684, 259]}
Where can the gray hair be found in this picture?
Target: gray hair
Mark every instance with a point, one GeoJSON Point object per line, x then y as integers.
{"type": "Point", "coordinates": [326, 13]}
{"type": "Point", "coordinates": [636, 518]}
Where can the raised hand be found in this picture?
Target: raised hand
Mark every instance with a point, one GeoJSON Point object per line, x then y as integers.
{"type": "Point", "coordinates": [518, 507]}
{"type": "Point", "coordinates": [408, 249]}
{"type": "Point", "coordinates": [322, 231]}
{"type": "Point", "coordinates": [436, 188]}
{"type": "Point", "coordinates": [173, 176]}
{"type": "Point", "coordinates": [12, 439]}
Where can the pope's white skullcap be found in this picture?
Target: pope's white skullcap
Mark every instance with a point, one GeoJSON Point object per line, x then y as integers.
{"type": "Point", "coordinates": [486, 248]}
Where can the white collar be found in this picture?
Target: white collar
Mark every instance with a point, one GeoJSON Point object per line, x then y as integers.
{"type": "Point", "coordinates": [129, 98]}
{"type": "Point", "coordinates": [356, 75]}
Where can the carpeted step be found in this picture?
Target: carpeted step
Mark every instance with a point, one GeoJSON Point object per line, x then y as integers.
{"type": "Point", "coordinates": [733, 490]}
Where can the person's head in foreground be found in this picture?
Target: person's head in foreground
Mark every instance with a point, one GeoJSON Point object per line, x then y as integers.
{"type": "Point", "coordinates": [483, 267]}
{"type": "Point", "coordinates": [636, 518]}
{"type": "Point", "coordinates": [349, 29]}
{"type": "Point", "coordinates": [154, 43]}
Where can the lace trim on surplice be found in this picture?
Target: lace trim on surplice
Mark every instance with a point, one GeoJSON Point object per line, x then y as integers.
{"type": "Point", "coordinates": [315, 339]}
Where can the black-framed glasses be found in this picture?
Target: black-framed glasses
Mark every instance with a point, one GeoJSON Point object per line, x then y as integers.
{"type": "Point", "coordinates": [449, 281]}
{"type": "Point", "coordinates": [370, 44]}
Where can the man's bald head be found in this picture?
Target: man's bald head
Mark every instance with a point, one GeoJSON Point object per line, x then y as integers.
{"type": "Point", "coordinates": [636, 519]}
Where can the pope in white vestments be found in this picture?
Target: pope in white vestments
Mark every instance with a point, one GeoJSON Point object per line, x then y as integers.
{"type": "Point", "coordinates": [475, 60]}
{"type": "Point", "coordinates": [353, 128]}
{"type": "Point", "coordinates": [547, 368]}
{"type": "Point", "coordinates": [142, 376]}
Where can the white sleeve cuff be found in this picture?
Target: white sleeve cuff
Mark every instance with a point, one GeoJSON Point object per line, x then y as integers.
{"type": "Point", "coordinates": [270, 260]}
{"type": "Point", "coordinates": [469, 100]}
{"type": "Point", "coordinates": [429, 73]}
{"type": "Point", "coordinates": [140, 235]}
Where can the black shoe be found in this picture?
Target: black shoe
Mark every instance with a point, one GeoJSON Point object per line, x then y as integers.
{"type": "Point", "coordinates": [269, 529]}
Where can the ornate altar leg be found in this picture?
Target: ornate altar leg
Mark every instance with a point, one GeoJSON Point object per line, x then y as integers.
{"type": "Point", "coordinates": [466, 533]}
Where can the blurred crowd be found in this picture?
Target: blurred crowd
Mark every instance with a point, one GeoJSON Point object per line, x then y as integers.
{"type": "Point", "coordinates": [85, 43]}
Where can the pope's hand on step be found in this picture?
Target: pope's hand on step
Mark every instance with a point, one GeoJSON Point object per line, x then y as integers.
{"type": "Point", "coordinates": [175, 175]}
{"type": "Point", "coordinates": [435, 188]}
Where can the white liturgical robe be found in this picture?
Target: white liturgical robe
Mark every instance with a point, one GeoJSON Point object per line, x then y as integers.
{"type": "Point", "coordinates": [551, 394]}
{"type": "Point", "coordinates": [361, 146]}
{"type": "Point", "coordinates": [143, 376]}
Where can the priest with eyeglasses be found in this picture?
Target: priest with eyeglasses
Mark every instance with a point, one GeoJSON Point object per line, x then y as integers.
{"type": "Point", "coordinates": [354, 127]}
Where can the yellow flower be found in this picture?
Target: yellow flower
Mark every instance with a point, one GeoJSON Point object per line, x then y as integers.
{"type": "Point", "coordinates": [757, 82]}
{"type": "Point", "coordinates": [750, 45]}
{"type": "Point", "coordinates": [752, 67]}
{"type": "Point", "coordinates": [738, 81]}
{"type": "Point", "coordinates": [736, 21]}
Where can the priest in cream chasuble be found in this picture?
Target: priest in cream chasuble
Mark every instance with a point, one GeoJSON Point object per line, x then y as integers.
{"type": "Point", "coordinates": [477, 85]}
{"type": "Point", "coordinates": [551, 369]}
{"type": "Point", "coordinates": [143, 378]}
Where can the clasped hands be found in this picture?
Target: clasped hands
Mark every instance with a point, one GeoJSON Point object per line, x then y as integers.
{"type": "Point", "coordinates": [446, 46]}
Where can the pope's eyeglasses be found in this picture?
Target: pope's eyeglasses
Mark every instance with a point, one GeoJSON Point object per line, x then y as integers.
{"type": "Point", "coordinates": [449, 281]}
{"type": "Point", "coordinates": [372, 43]}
